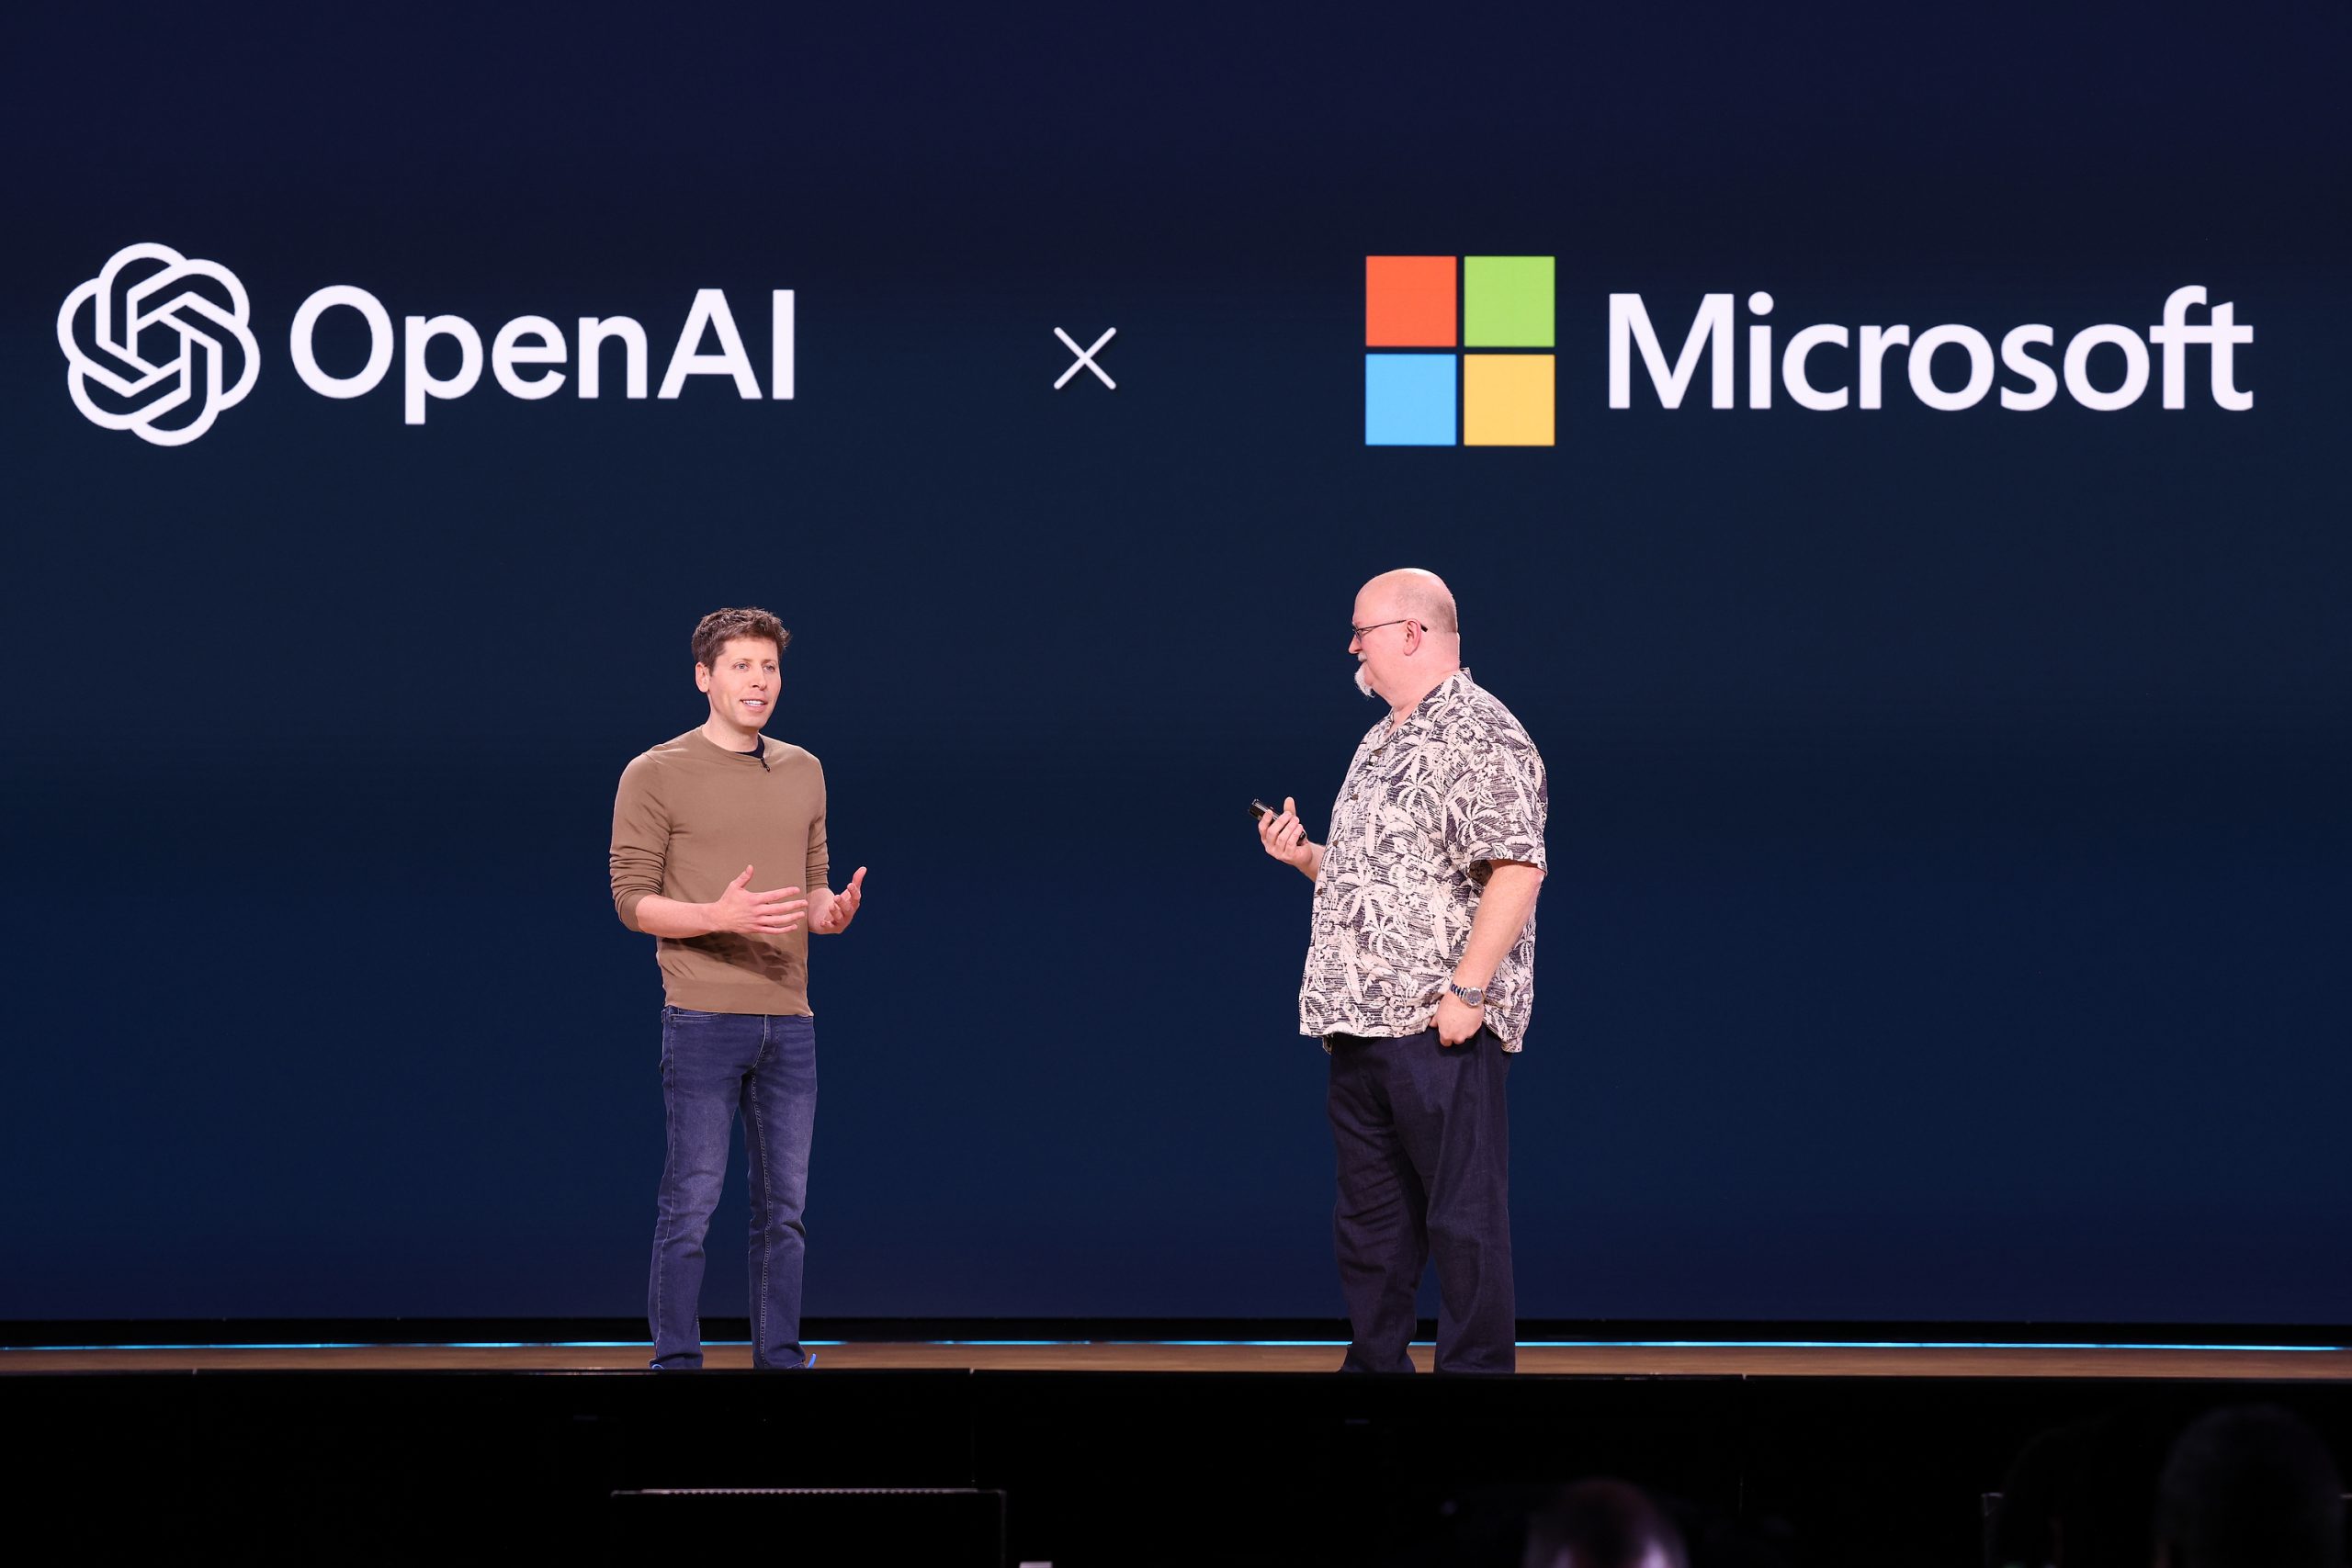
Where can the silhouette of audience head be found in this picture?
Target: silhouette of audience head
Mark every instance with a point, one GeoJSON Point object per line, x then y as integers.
{"type": "Point", "coordinates": [2249, 1486]}
{"type": "Point", "coordinates": [2081, 1496]}
{"type": "Point", "coordinates": [1602, 1524]}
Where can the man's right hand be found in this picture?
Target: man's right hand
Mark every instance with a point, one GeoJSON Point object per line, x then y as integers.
{"type": "Point", "coordinates": [1284, 838]}
{"type": "Point", "coordinates": [740, 911]}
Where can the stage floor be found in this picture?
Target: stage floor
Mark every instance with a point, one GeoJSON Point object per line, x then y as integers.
{"type": "Point", "coordinates": [1630, 1359]}
{"type": "Point", "coordinates": [1128, 1451]}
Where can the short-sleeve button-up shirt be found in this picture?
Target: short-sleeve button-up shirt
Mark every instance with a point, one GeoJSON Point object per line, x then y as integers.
{"type": "Point", "coordinates": [1427, 807]}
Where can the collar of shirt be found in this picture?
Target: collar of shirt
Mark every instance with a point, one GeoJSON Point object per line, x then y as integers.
{"type": "Point", "coordinates": [1424, 712]}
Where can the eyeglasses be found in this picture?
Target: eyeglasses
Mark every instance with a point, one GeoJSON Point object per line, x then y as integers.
{"type": "Point", "coordinates": [1363, 631]}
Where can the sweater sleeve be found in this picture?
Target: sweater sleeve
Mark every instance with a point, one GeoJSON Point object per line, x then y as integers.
{"type": "Point", "coordinates": [820, 857]}
{"type": "Point", "coordinates": [641, 839]}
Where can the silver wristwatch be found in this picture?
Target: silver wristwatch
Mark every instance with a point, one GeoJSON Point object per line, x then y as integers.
{"type": "Point", "coordinates": [1475, 996]}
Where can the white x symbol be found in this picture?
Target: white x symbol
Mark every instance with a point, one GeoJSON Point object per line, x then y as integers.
{"type": "Point", "coordinates": [1086, 357]}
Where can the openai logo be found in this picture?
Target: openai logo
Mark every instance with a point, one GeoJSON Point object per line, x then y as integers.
{"type": "Point", "coordinates": [158, 344]}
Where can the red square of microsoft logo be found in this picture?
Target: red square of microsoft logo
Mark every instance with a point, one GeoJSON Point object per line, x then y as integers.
{"type": "Point", "coordinates": [1409, 302]}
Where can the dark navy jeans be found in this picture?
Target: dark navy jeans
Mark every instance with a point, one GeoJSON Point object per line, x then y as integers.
{"type": "Point", "coordinates": [714, 1066]}
{"type": "Point", "coordinates": [1422, 1133]}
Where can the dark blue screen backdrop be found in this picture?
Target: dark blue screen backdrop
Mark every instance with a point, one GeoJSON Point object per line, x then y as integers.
{"type": "Point", "coordinates": [1951, 812]}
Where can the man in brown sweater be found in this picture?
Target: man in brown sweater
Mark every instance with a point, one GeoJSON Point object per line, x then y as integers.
{"type": "Point", "coordinates": [698, 822]}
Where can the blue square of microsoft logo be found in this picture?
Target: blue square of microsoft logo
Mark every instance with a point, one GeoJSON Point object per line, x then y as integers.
{"type": "Point", "coordinates": [1409, 400]}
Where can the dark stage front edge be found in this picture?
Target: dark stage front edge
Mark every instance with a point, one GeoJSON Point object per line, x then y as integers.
{"type": "Point", "coordinates": [1082, 1467]}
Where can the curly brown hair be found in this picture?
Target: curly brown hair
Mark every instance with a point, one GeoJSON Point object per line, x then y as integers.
{"type": "Point", "coordinates": [714, 630]}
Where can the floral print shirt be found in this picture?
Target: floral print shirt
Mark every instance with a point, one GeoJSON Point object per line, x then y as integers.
{"type": "Point", "coordinates": [1426, 809]}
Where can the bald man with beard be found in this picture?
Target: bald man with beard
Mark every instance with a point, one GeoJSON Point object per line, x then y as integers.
{"type": "Point", "coordinates": [1420, 980]}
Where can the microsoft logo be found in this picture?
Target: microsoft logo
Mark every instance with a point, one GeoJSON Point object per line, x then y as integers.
{"type": "Point", "coordinates": [1456, 398]}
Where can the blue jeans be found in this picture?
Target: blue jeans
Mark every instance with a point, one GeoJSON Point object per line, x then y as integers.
{"type": "Point", "coordinates": [714, 1064]}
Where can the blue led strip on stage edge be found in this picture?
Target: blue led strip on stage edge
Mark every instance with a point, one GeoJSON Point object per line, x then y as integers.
{"type": "Point", "coordinates": [1250, 1345]}
{"type": "Point", "coordinates": [390, 1345]}
{"type": "Point", "coordinates": [1906, 1345]}
{"type": "Point", "coordinates": [1757, 1345]}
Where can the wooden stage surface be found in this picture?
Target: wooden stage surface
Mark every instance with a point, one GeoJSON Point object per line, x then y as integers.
{"type": "Point", "coordinates": [1641, 1360]}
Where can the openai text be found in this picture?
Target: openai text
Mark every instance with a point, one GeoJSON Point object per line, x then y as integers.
{"type": "Point", "coordinates": [1830, 367]}
{"type": "Point", "coordinates": [536, 341]}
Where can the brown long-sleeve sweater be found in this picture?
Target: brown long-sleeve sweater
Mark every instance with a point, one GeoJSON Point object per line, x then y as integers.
{"type": "Point", "coordinates": [689, 816]}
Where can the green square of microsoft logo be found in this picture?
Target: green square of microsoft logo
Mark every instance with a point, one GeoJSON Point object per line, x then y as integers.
{"type": "Point", "coordinates": [1506, 301]}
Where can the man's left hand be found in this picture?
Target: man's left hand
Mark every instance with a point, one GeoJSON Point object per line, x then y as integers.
{"type": "Point", "coordinates": [844, 907]}
{"type": "Point", "coordinates": [1457, 1020]}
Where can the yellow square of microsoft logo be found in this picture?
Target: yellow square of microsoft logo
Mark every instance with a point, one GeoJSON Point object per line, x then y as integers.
{"type": "Point", "coordinates": [1502, 397]}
